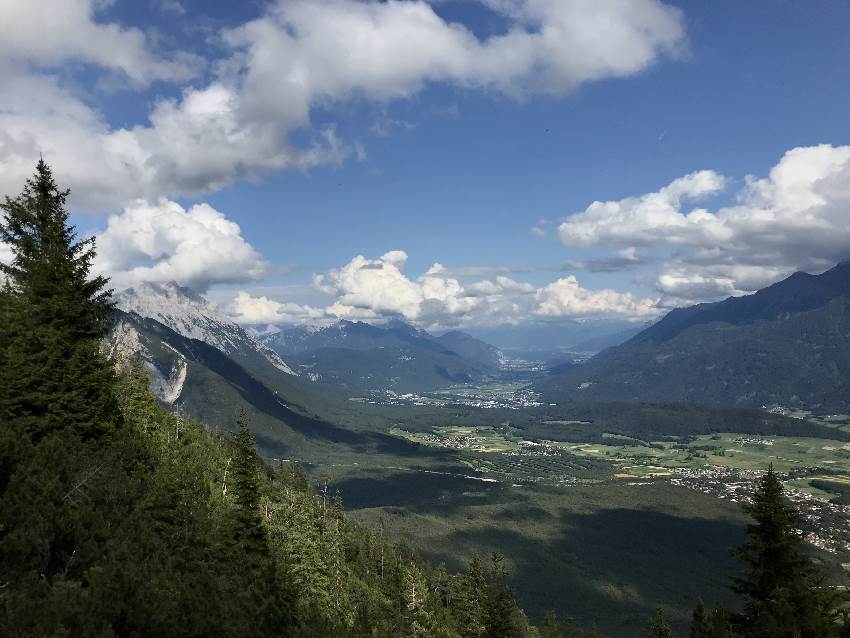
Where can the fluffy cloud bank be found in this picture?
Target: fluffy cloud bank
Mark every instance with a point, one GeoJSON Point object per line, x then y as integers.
{"type": "Point", "coordinates": [275, 70]}
{"type": "Point", "coordinates": [796, 218]}
{"type": "Point", "coordinates": [566, 298]}
{"type": "Point", "coordinates": [51, 32]}
{"type": "Point", "coordinates": [378, 289]}
{"type": "Point", "coordinates": [246, 309]}
{"type": "Point", "coordinates": [164, 242]}
{"type": "Point", "coordinates": [374, 288]}
{"type": "Point", "coordinates": [651, 218]}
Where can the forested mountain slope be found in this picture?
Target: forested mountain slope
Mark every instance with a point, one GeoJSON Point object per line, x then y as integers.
{"type": "Point", "coordinates": [206, 384]}
{"type": "Point", "coordinates": [787, 344]}
{"type": "Point", "coordinates": [120, 519]}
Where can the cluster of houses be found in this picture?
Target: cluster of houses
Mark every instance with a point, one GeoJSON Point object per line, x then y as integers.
{"type": "Point", "coordinates": [822, 523]}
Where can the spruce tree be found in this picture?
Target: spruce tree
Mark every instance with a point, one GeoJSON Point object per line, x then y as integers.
{"type": "Point", "coordinates": [248, 527]}
{"type": "Point", "coordinates": [780, 586]}
{"type": "Point", "coordinates": [265, 594]}
{"type": "Point", "coordinates": [470, 600]}
{"type": "Point", "coordinates": [418, 620]}
{"type": "Point", "coordinates": [13, 445]}
{"type": "Point", "coordinates": [552, 626]}
{"type": "Point", "coordinates": [501, 619]}
{"type": "Point", "coordinates": [56, 315]}
{"type": "Point", "coordinates": [63, 483]}
{"type": "Point", "coordinates": [659, 627]}
{"type": "Point", "coordinates": [700, 627]}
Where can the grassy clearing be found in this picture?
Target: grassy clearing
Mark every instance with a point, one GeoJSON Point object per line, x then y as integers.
{"type": "Point", "coordinates": [462, 437]}
{"type": "Point", "coordinates": [647, 459]}
{"type": "Point", "coordinates": [730, 450]}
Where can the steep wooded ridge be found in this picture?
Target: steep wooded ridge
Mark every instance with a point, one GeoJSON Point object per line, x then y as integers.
{"type": "Point", "coordinates": [207, 384]}
{"type": "Point", "coordinates": [788, 344]}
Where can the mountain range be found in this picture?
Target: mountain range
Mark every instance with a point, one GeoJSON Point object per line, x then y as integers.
{"type": "Point", "coordinates": [200, 361]}
{"type": "Point", "coordinates": [787, 344]}
{"type": "Point", "coordinates": [205, 365]}
{"type": "Point", "coordinates": [360, 357]}
{"type": "Point", "coordinates": [190, 315]}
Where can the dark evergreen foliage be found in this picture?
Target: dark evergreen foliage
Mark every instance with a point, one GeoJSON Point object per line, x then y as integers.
{"type": "Point", "coordinates": [63, 485]}
{"type": "Point", "coordinates": [782, 591]}
{"type": "Point", "coordinates": [248, 529]}
{"type": "Point", "coordinates": [780, 587]}
{"type": "Point", "coordinates": [54, 317]}
{"type": "Point", "coordinates": [699, 622]}
{"type": "Point", "coordinates": [659, 627]}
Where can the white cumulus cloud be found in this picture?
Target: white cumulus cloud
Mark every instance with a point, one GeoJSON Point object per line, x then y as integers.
{"type": "Point", "coordinates": [651, 218]}
{"type": "Point", "coordinates": [51, 32]}
{"type": "Point", "coordinates": [566, 298]}
{"type": "Point", "coordinates": [375, 290]}
{"type": "Point", "coordinates": [247, 309]}
{"type": "Point", "coordinates": [275, 70]}
{"type": "Point", "coordinates": [796, 218]}
{"type": "Point", "coordinates": [372, 288]}
{"type": "Point", "coordinates": [162, 241]}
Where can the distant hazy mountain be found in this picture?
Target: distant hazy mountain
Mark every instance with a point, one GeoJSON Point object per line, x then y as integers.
{"type": "Point", "coordinates": [397, 356]}
{"type": "Point", "coordinates": [566, 335]}
{"type": "Point", "coordinates": [472, 350]}
{"type": "Point", "coordinates": [190, 315]}
{"type": "Point", "coordinates": [787, 344]}
{"type": "Point", "coordinates": [351, 335]}
{"type": "Point", "coordinates": [608, 340]}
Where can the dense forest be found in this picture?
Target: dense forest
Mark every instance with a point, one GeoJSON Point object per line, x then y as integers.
{"type": "Point", "coordinates": [118, 518]}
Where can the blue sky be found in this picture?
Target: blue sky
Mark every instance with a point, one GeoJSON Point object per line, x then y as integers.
{"type": "Point", "coordinates": [458, 163]}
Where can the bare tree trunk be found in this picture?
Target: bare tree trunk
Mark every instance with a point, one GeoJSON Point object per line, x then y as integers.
{"type": "Point", "coordinates": [382, 550]}
{"type": "Point", "coordinates": [224, 480]}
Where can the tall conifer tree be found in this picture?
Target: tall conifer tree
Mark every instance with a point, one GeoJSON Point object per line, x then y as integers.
{"type": "Point", "coordinates": [780, 585]}
{"type": "Point", "coordinates": [249, 531]}
{"type": "Point", "coordinates": [61, 485]}
{"type": "Point", "coordinates": [659, 627]}
{"type": "Point", "coordinates": [700, 627]}
{"type": "Point", "coordinates": [55, 314]}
